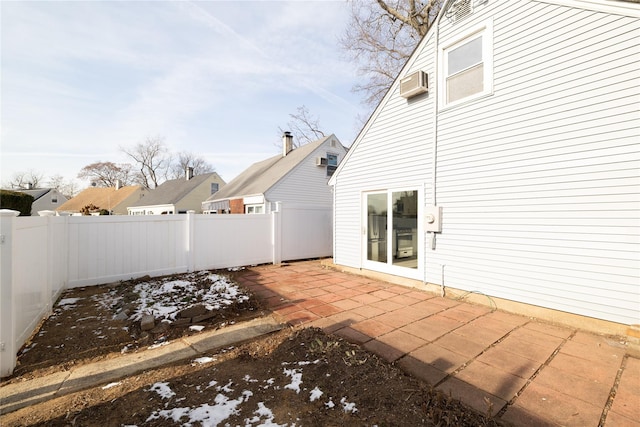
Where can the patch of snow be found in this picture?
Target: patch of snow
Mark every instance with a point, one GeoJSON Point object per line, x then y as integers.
{"type": "Point", "coordinates": [151, 347]}
{"type": "Point", "coordinates": [305, 363]}
{"type": "Point", "coordinates": [163, 390]}
{"type": "Point", "coordinates": [203, 360]}
{"type": "Point", "coordinates": [248, 379]}
{"type": "Point", "coordinates": [205, 414]}
{"type": "Point", "coordinates": [296, 379]}
{"type": "Point", "coordinates": [197, 328]}
{"type": "Point", "coordinates": [68, 303]}
{"type": "Point", "coordinates": [315, 394]}
{"type": "Point", "coordinates": [226, 388]}
{"type": "Point", "coordinates": [175, 414]}
{"type": "Point", "coordinates": [26, 349]}
{"type": "Point", "coordinates": [330, 404]}
{"type": "Point", "coordinates": [110, 385]}
{"type": "Point", "coordinates": [348, 407]}
{"type": "Point", "coordinates": [264, 416]}
{"type": "Point", "coordinates": [165, 299]}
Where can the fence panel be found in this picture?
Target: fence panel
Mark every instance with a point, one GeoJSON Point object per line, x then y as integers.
{"type": "Point", "coordinates": [32, 297]}
{"type": "Point", "coordinates": [41, 256]}
{"type": "Point", "coordinates": [110, 248]}
{"type": "Point", "coordinates": [222, 241]}
{"type": "Point", "coordinates": [306, 232]}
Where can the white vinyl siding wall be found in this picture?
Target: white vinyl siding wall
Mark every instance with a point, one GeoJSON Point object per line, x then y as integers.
{"type": "Point", "coordinates": [395, 153]}
{"type": "Point", "coordinates": [307, 183]}
{"type": "Point", "coordinates": [539, 181]}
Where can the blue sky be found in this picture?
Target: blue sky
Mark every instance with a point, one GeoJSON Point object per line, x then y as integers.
{"type": "Point", "coordinates": [81, 79]}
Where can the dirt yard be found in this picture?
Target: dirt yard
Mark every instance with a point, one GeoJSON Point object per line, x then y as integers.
{"type": "Point", "coordinates": [296, 377]}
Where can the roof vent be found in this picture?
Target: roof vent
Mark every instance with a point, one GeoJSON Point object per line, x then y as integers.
{"type": "Point", "coordinates": [460, 9]}
{"type": "Point", "coordinates": [414, 84]}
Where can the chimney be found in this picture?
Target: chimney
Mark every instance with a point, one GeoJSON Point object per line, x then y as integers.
{"type": "Point", "coordinates": [287, 143]}
{"type": "Point", "coordinates": [189, 173]}
{"type": "Point", "coordinates": [118, 184]}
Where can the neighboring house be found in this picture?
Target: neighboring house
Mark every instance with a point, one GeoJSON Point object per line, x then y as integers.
{"type": "Point", "coordinates": [178, 196]}
{"type": "Point", "coordinates": [295, 177]}
{"type": "Point", "coordinates": [515, 174]}
{"type": "Point", "coordinates": [113, 199]}
{"type": "Point", "coordinates": [44, 199]}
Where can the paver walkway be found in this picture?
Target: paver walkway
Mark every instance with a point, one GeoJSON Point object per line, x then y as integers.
{"type": "Point", "coordinates": [523, 371]}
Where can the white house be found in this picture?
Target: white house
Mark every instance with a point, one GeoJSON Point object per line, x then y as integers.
{"type": "Point", "coordinates": [177, 196]}
{"type": "Point", "coordinates": [44, 199]}
{"type": "Point", "coordinates": [296, 177]}
{"type": "Point", "coordinates": [505, 161]}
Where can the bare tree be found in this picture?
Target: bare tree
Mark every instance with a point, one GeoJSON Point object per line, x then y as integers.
{"type": "Point", "coordinates": [151, 161]}
{"type": "Point", "coordinates": [24, 180]}
{"type": "Point", "coordinates": [67, 188]}
{"type": "Point", "coordinates": [107, 174]}
{"type": "Point", "coordinates": [381, 36]}
{"type": "Point", "coordinates": [303, 126]}
{"type": "Point", "coordinates": [186, 159]}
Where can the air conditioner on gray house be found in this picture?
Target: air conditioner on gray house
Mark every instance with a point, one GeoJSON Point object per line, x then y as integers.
{"type": "Point", "coordinates": [414, 84]}
{"type": "Point", "coordinates": [321, 161]}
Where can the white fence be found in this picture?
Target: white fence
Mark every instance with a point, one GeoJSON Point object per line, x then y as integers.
{"type": "Point", "coordinates": [42, 256]}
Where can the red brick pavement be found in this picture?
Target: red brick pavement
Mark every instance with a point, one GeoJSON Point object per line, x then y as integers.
{"type": "Point", "coordinates": [522, 370]}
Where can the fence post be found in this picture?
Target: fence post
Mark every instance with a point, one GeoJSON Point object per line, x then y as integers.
{"type": "Point", "coordinates": [191, 258]}
{"type": "Point", "coordinates": [47, 291]}
{"type": "Point", "coordinates": [7, 333]}
{"type": "Point", "coordinates": [276, 234]}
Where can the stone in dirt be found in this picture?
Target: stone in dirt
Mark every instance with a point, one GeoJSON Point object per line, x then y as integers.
{"type": "Point", "coordinates": [205, 316]}
{"type": "Point", "coordinates": [181, 321]}
{"type": "Point", "coordinates": [194, 311]}
{"type": "Point", "coordinates": [123, 315]}
{"type": "Point", "coordinates": [147, 322]}
{"type": "Point", "coordinates": [161, 328]}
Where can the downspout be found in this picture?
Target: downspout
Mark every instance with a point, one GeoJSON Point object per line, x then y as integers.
{"type": "Point", "coordinates": [435, 135]}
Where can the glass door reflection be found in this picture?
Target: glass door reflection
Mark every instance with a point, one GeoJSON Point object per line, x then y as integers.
{"type": "Point", "coordinates": [377, 227]}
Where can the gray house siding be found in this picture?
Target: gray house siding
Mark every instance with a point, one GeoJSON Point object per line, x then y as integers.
{"type": "Point", "coordinates": [307, 183]}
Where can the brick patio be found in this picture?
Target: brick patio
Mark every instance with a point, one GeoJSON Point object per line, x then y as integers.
{"type": "Point", "coordinates": [532, 373]}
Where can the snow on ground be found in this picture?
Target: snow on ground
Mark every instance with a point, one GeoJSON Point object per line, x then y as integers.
{"type": "Point", "coordinates": [68, 303]}
{"type": "Point", "coordinates": [230, 399]}
{"type": "Point", "coordinates": [165, 297]}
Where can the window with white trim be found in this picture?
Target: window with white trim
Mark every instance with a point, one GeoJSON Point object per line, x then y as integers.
{"type": "Point", "coordinates": [254, 209]}
{"type": "Point", "coordinates": [332, 163]}
{"type": "Point", "coordinates": [468, 67]}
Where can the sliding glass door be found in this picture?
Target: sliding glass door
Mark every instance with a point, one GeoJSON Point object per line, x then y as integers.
{"type": "Point", "coordinates": [391, 228]}
{"type": "Point", "coordinates": [377, 227]}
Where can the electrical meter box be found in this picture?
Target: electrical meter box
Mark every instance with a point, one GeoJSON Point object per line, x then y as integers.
{"type": "Point", "coordinates": [433, 219]}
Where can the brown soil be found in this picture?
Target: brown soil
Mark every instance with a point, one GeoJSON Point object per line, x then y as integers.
{"type": "Point", "coordinates": [382, 393]}
{"type": "Point", "coordinates": [87, 330]}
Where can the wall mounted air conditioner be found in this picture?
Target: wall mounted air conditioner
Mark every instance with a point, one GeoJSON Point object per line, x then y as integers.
{"type": "Point", "coordinates": [414, 84]}
{"type": "Point", "coordinates": [321, 161]}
